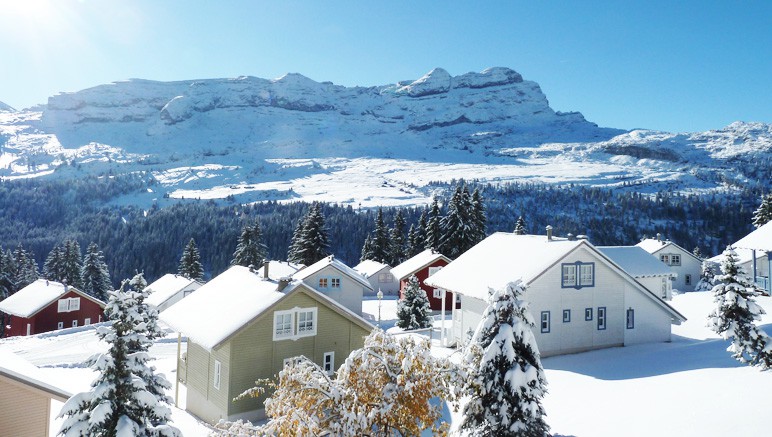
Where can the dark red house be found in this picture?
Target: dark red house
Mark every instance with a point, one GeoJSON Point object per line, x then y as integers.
{"type": "Point", "coordinates": [45, 306]}
{"type": "Point", "coordinates": [423, 265]}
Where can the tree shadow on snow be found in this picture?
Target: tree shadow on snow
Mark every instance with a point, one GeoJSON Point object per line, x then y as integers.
{"type": "Point", "coordinates": [639, 361]}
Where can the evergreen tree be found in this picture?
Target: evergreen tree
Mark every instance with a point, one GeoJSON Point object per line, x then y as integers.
{"type": "Point", "coordinates": [295, 243]}
{"type": "Point", "coordinates": [397, 245]}
{"type": "Point", "coordinates": [379, 241]}
{"type": "Point", "coordinates": [414, 245]}
{"type": "Point", "coordinates": [478, 217]}
{"type": "Point", "coordinates": [190, 262]}
{"type": "Point", "coordinates": [736, 312]}
{"type": "Point", "coordinates": [250, 250]}
{"type": "Point", "coordinates": [413, 311]}
{"type": "Point", "coordinates": [433, 229]}
{"type": "Point", "coordinates": [95, 275]}
{"type": "Point", "coordinates": [312, 243]}
{"type": "Point", "coordinates": [458, 233]}
{"type": "Point", "coordinates": [7, 287]}
{"type": "Point", "coordinates": [697, 252]}
{"type": "Point", "coordinates": [25, 266]}
{"type": "Point", "coordinates": [708, 275]}
{"type": "Point", "coordinates": [53, 267]}
{"type": "Point", "coordinates": [763, 215]}
{"type": "Point", "coordinates": [506, 381]}
{"type": "Point", "coordinates": [127, 398]}
{"type": "Point", "coordinates": [367, 249]}
{"type": "Point", "coordinates": [71, 263]}
{"type": "Point", "coordinates": [520, 226]}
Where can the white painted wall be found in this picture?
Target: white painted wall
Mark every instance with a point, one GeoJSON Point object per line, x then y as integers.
{"type": "Point", "coordinates": [655, 285]}
{"type": "Point", "coordinates": [651, 324]}
{"type": "Point", "coordinates": [388, 287]}
{"type": "Point", "coordinates": [690, 266]}
{"type": "Point", "coordinates": [350, 293]}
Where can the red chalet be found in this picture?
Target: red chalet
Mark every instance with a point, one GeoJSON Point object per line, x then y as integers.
{"type": "Point", "coordinates": [422, 266]}
{"type": "Point", "coordinates": [47, 306]}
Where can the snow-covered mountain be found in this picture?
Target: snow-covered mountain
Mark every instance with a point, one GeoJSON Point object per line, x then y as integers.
{"type": "Point", "coordinates": [5, 108]}
{"type": "Point", "coordinates": [293, 138]}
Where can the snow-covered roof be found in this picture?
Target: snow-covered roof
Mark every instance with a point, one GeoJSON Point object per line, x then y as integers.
{"type": "Point", "coordinates": [636, 261]}
{"type": "Point", "coordinates": [14, 367]}
{"type": "Point", "coordinates": [416, 263]}
{"type": "Point", "coordinates": [335, 263]}
{"type": "Point", "coordinates": [222, 306]}
{"type": "Point", "coordinates": [31, 299]}
{"type": "Point", "coordinates": [279, 269]}
{"type": "Point", "coordinates": [499, 259]}
{"type": "Point", "coordinates": [652, 245]}
{"type": "Point", "coordinates": [760, 239]}
{"type": "Point", "coordinates": [368, 267]}
{"type": "Point", "coordinates": [165, 287]}
{"type": "Point", "coordinates": [743, 256]}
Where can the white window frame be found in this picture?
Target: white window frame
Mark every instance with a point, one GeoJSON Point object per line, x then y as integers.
{"type": "Point", "coordinates": [586, 275]}
{"type": "Point", "coordinates": [433, 270]}
{"type": "Point", "coordinates": [60, 325]}
{"type": "Point", "coordinates": [329, 367]}
{"type": "Point", "coordinates": [68, 305]}
{"type": "Point", "coordinates": [675, 259]}
{"type": "Point", "coordinates": [74, 303]}
{"type": "Point", "coordinates": [688, 279]}
{"type": "Point", "coordinates": [29, 329]}
{"type": "Point", "coordinates": [665, 258]}
{"type": "Point", "coordinates": [295, 323]}
{"type": "Point", "coordinates": [75, 323]}
{"type": "Point", "coordinates": [569, 275]}
{"type": "Point", "coordinates": [334, 282]}
{"type": "Point", "coordinates": [437, 293]}
{"type": "Point", "coordinates": [87, 321]}
{"type": "Point", "coordinates": [324, 283]}
{"type": "Point", "coordinates": [217, 374]}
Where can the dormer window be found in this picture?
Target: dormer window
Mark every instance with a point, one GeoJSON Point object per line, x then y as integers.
{"type": "Point", "coordinates": [578, 275]}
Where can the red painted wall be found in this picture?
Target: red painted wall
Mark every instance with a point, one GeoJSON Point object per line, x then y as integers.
{"type": "Point", "coordinates": [48, 318]}
{"type": "Point", "coordinates": [434, 303]}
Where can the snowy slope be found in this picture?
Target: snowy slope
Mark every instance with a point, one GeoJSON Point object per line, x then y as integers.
{"type": "Point", "coordinates": [292, 138]}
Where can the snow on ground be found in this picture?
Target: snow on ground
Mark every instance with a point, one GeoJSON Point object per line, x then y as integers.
{"type": "Point", "coordinates": [689, 387]}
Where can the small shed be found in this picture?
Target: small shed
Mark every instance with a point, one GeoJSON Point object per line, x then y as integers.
{"type": "Point", "coordinates": [45, 306]}
{"type": "Point", "coordinates": [379, 275]}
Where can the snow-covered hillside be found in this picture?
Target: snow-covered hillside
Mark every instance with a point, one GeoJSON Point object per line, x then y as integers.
{"type": "Point", "coordinates": [292, 138]}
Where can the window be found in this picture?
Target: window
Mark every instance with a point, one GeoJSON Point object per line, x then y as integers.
{"type": "Point", "coordinates": [566, 316]}
{"type": "Point", "coordinates": [216, 375]}
{"type": "Point", "coordinates": [601, 318]}
{"type": "Point", "coordinates": [675, 260]}
{"type": "Point", "coordinates": [60, 325]}
{"type": "Point", "coordinates": [437, 293]}
{"type": "Point", "coordinates": [329, 362]}
{"type": "Point", "coordinates": [578, 275]}
{"type": "Point", "coordinates": [68, 305]}
{"type": "Point", "coordinates": [433, 270]}
{"type": "Point", "coordinates": [322, 282]}
{"type": "Point", "coordinates": [665, 259]}
{"type": "Point", "coordinates": [545, 321]}
{"type": "Point", "coordinates": [385, 277]}
{"type": "Point", "coordinates": [87, 321]}
{"type": "Point", "coordinates": [630, 318]}
{"type": "Point", "coordinates": [588, 314]}
{"type": "Point", "coordinates": [335, 282]}
{"type": "Point", "coordinates": [74, 323]}
{"type": "Point", "coordinates": [295, 323]}
{"type": "Point", "coordinates": [664, 288]}
{"type": "Point", "coordinates": [688, 279]}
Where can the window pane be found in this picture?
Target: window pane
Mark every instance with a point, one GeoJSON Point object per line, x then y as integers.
{"type": "Point", "coordinates": [587, 274]}
{"type": "Point", "coordinates": [75, 304]}
{"type": "Point", "coordinates": [283, 325]}
{"type": "Point", "coordinates": [569, 275]}
{"type": "Point", "coordinates": [64, 305]}
{"type": "Point", "coordinates": [322, 282]}
{"type": "Point", "coordinates": [335, 282]}
{"type": "Point", "coordinates": [305, 321]}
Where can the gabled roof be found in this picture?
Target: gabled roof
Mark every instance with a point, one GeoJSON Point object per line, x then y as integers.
{"type": "Point", "coordinates": [416, 263]}
{"type": "Point", "coordinates": [368, 267]}
{"type": "Point", "coordinates": [334, 263]}
{"type": "Point", "coordinates": [636, 261]}
{"type": "Point", "coordinates": [503, 257]}
{"type": "Point", "coordinates": [31, 299]}
{"type": "Point", "coordinates": [760, 239]}
{"type": "Point", "coordinates": [279, 269]}
{"type": "Point", "coordinates": [652, 245]}
{"type": "Point", "coordinates": [20, 370]}
{"type": "Point", "coordinates": [231, 301]}
{"type": "Point", "coordinates": [165, 287]}
{"type": "Point", "coordinates": [743, 256]}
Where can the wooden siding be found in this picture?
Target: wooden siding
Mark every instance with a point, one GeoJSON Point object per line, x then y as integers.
{"type": "Point", "coordinates": [203, 399]}
{"type": "Point", "coordinates": [434, 303]}
{"type": "Point", "coordinates": [23, 412]}
{"type": "Point", "coordinates": [48, 318]}
{"type": "Point", "coordinates": [350, 293]}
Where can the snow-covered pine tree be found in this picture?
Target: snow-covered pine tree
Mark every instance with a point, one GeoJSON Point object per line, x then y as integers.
{"type": "Point", "coordinates": [414, 245]}
{"type": "Point", "coordinates": [736, 313]}
{"type": "Point", "coordinates": [478, 216]}
{"type": "Point", "coordinates": [250, 250]}
{"type": "Point", "coordinates": [367, 250]}
{"type": "Point", "coordinates": [520, 226]}
{"type": "Point", "coordinates": [505, 381]}
{"type": "Point", "coordinates": [413, 311]}
{"type": "Point", "coordinates": [6, 279]}
{"type": "Point", "coordinates": [26, 269]}
{"type": "Point", "coordinates": [95, 276]}
{"type": "Point", "coordinates": [72, 263]}
{"type": "Point", "coordinates": [458, 233]}
{"type": "Point", "coordinates": [397, 243]}
{"type": "Point", "coordinates": [312, 243]}
{"type": "Point", "coordinates": [294, 248]}
{"type": "Point", "coordinates": [53, 267]}
{"type": "Point", "coordinates": [433, 229]}
{"type": "Point", "coordinates": [190, 262]}
{"type": "Point", "coordinates": [417, 243]}
{"type": "Point", "coordinates": [763, 214]}
{"type": "Point", "coordinates": [127, 398]}
{"type": "Point", "coordinates": [379, 240]}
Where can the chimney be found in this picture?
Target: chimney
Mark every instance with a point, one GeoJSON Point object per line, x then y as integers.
{"type": "Point", "coordinates": [265, 269]}
{"type": "Point", "coordinates": [659, 236]}
{"type": "Point", "coordinates": [283, 283]}
{"type": "Point", "coordinates": [582, 237]}
{"type": "Point", "coordinates": [549, 233]}
{"type": "Point", "coordinates": [571, 237]}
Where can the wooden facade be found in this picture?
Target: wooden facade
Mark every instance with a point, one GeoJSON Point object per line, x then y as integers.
{"type": "Point", "coordinates": [50, 318]}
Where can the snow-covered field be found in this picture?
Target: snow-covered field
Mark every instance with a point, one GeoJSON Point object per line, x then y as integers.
{"type": "Point", "coordinates": [689, 387]}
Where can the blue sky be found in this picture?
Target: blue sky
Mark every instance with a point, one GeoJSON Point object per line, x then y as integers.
{"type": "Point", "coordinates": [668, 65]}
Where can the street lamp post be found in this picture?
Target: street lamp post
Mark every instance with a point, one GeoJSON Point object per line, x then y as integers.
{"type": "Point", "coordinates": [380, 298]}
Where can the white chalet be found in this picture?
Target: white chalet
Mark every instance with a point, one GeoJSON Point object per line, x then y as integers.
{"type": "Point", "coordinates": [653, 274]}
{"type": "Point", "coordinates": [759, 242]}
{"type": "Point", "coordinates": [170, 289]}
{"type": "Point", "coordinates": [684, 264]}
{"type": "Point", "coordinates": [336, 280]}
{"type": "Point", "coordinates": [580, 299]}
{"type": "Point", "coordinates": [379, 276]}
